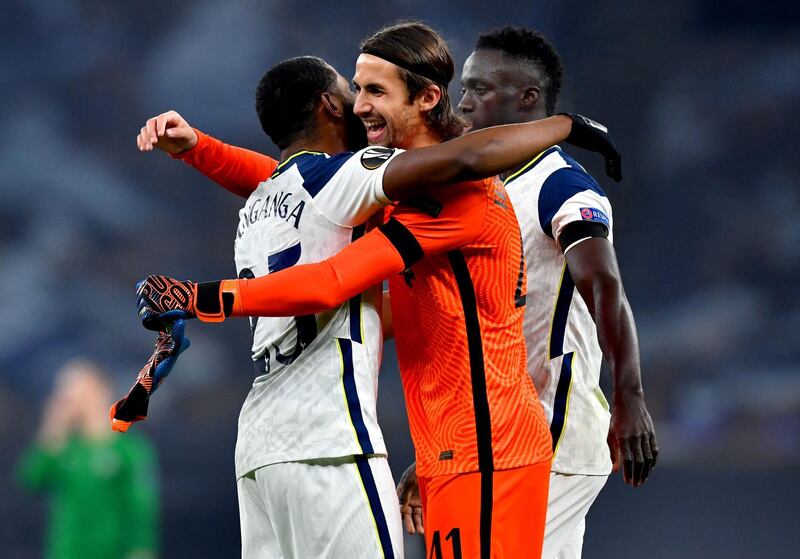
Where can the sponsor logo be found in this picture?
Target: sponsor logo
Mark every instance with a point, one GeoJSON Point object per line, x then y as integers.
{"type": "Point", "coordinates": [373, 158]}
{"type": "Point", "coordinates": [593, 214]}
{"type": "Point", "coordinates": [500, 196]}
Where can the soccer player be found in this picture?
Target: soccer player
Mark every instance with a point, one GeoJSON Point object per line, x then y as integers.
{"type": "Point", "coordinates": [576, 310]}
{"type": "Point", "coordinates": [308, 365]}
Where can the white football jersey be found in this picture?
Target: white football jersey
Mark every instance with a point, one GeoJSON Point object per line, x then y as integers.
{"type": "Point", "coordinates": [564, 356]}
{"type": "Point", "coordinates": [316, 383]}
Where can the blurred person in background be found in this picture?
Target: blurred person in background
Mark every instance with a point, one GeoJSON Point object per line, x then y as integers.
{"type": "Point", "coordinates": [101, 486]}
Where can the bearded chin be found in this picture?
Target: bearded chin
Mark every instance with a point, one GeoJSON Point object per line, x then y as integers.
{"type": "Point", "coordinates": [356, 133]}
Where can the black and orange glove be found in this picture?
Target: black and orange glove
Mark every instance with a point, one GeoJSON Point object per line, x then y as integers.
{"type": "Point", "coordinates": [591, 135]}
{"type": "Point", "coordinates": [161, 300]}
{"type": "Point", "coordinates": [133, 407]}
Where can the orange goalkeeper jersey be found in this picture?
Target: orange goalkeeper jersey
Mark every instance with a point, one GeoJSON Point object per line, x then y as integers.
{"type": "Point", "coordinates": [458, 327]}
{"type": "Point", "coordinates": [457, 282]}
{"type": "Point", "coordinates": [457, 310]}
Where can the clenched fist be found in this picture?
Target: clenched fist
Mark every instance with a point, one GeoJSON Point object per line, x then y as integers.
{"type": "Point", "coordinates": [168, 132]}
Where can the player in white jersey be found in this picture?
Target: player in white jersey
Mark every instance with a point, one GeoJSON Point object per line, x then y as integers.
{"type": "Point", "coordinates": [310, 460]}
{"type": "Point", "coordinates": [576, 310]}
{"type": "Point", "coordinates": [313, 480]}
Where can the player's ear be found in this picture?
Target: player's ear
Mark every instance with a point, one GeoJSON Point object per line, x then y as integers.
{"type": "Point", "coordinates": [530, 95]}
{"type": "Point", "coordinates": [429, 97]}
{"type": "Point", "coordinates": [332, 106]}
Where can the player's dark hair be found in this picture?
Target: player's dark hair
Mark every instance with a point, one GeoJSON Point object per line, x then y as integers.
{"type": "Point", "coordinates": [423, 59]}
{"type": "Point", "coordinates": [531, 46]}
{"type": "Point", "coordinates": [287, 95]}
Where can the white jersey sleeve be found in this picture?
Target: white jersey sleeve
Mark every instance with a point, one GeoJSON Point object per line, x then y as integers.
{"type": "Point", "coordinates": [348, 188]}
{"type": "Point", "coordinates": [570, 196]}
{"type": "Point", "coordinates": [558, 205]}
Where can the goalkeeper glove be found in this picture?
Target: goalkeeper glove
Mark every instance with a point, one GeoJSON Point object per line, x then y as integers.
{"type": "Point", "coordinates": [133, 407]}
{"type": "Point", "coordinates": [593, 136]}
{"type": "Point", "coordinates": [161, 300]}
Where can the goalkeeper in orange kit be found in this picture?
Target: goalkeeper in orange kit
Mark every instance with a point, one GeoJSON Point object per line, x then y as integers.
{"type": "Point", "coordinates": [476, 422]}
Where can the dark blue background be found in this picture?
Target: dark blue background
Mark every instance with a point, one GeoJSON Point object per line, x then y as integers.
{"type": "Point", "coordinates": [701, 97]}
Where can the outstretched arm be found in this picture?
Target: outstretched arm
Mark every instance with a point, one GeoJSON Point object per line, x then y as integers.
{"type": "Point", "coordinates": [491, 151]}
{"type": "Point", "coordinates": [236, 169]}
{"type": "Point", "coordinates": [593, 266]}
{"type": "Point", "coordinates": [299, 290]}
{"type": "Point", "coordinates": [312, 288]}
{"type": "Point", "coordinates": [476, 155]}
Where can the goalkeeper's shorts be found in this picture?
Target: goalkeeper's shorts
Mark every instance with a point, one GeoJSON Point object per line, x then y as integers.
{"type": "Point", "coordinates": [497, 514]}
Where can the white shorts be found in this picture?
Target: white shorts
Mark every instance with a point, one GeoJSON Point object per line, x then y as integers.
{"type": "Point", "coordinates": [568, 502]}
{"type": "Point", "coordinates": [342, 507]}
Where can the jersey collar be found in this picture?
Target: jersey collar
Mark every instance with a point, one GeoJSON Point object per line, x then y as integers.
{"type": "Point", "coordinates": [285, 163]}
{"type": "Point", "coordinates": [530, 164]}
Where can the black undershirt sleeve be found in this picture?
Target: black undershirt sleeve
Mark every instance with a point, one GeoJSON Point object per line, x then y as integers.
{"type": "Point", "coordinates": [580, 230]}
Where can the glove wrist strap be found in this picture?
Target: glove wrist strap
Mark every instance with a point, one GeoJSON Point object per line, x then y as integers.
{"type": "Point", "coordinates": [214, 300]}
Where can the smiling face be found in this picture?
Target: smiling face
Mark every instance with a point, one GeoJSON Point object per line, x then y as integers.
{"type": "Point", "coordinates": [382, 103]}
{"type": "Point", "coordinates": [495, 90]}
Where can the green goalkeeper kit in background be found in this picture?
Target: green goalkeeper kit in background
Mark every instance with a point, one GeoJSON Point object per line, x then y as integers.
{"type": "Point", "coordinates": [103, 497]}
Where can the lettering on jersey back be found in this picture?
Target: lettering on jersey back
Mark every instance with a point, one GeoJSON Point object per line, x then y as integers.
{"type": "Point", "coordinates": [279, 205]}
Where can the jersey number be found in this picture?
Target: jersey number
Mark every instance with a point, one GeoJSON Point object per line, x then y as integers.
{"type": "Point", "coordinates": [454, 536]}
{"type": "Point", "coordinates": [306, 325]}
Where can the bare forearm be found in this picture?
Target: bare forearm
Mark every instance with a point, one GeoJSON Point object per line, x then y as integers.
{"type": "Point", "coordinates": [493, 150]}
{"type": "Point", "coordinates": [632, 438]}
{"type": "Point", "coordinates": [477, 155]}
{"type": "Point", "coordinates": [616, 333]}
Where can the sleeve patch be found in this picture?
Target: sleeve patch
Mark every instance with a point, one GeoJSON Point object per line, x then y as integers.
{"type": "Point", "coordinates": [374, 157]}
{"type": "Point", "coordinates": [593, 214]}
{"type": "Point", "coordinates": [559, 187]}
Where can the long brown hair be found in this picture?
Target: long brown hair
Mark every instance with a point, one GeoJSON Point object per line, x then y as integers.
{"type": "Point", "coordinates": [423, 59]}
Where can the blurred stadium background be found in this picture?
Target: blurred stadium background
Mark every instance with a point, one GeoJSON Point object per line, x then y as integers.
{"type": "Point", "coordinates": [700, 95]}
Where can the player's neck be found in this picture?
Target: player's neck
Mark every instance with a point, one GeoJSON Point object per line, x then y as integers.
{"type": "Point", "coordinates": [420, 138]}
{"type": "Point", "coordinates": [325, 145]}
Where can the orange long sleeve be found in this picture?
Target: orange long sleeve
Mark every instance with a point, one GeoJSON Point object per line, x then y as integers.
{"type": "Point", "coordinates": [390, 249]}
{"type": "Point", "coordinates": [235, 169]}
{"type": "Point", "coordinates": [313, 288]}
